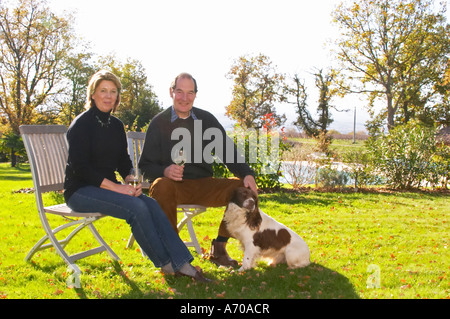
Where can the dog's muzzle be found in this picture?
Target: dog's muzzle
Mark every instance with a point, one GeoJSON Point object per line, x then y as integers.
{"type": "Point", "coordinates": [249, 204]}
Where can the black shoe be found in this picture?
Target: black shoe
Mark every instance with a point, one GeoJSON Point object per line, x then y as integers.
{"type": "Point", "coordinates": [197, 277]}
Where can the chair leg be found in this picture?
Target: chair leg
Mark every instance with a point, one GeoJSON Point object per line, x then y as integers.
{"type": "Point", "coordinates": [131, 241]}
{"type": "Point", "coordinates": [183, 221]}
{"type": "Point", "coordinates": [59, 248]}
{"type": "Point", "coordinates": [60, 244]}
{"type": "Point", "coordinates": [130, 244]}
{"type": "Point", "coordinates": [37, 247]}
{"type": "Point", "coordinates": [194, 240]}
{"type": "Point", "coordinates": [50, 234]}
{"type": "Point", "coordinates": [187, 220]}
{"type": "Point", "coordinates": [102, 242]}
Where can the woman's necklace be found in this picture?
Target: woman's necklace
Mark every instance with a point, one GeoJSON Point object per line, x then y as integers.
{"type": "Point", "coordinates": [103, 124]}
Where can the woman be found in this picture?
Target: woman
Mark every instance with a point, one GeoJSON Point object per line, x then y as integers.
{"type": "Point", "coordinates": [97, 149]}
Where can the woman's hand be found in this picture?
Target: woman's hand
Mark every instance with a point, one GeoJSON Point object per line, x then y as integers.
{"type": "Point", "coordinates": [137, 188]}
{"type": "Point", "coordinates": [125, 189]}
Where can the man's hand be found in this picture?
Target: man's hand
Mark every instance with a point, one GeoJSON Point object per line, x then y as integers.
{"type": "Point", "coordinates": [249, 182]}
{"type": "Point", "coordinates": [174, 172]}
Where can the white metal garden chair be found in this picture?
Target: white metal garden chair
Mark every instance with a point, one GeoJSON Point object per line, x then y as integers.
{"type": "Point", "coordinates": [47, 150]}
{"type": "Point", "coordinates": [135, 145]}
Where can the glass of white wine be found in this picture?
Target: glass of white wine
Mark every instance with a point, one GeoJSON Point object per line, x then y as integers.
{"type": "Point", "coordinates": [180, 159]}
{"type": "Point", "coordinates": [136, 177]}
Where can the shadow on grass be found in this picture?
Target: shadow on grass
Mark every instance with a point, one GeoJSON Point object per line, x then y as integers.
{"type": "Point", "coordinates": [314, 198]}
{"type": "Point", "coordinates": [263, 282]}
{"type": "Point", "coordinates": [135, 292]}
{"type": "Point", "coordinates": [18, 173]}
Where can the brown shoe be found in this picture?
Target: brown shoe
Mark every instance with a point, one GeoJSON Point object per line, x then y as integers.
{"type": "Point", "coordinates": [219, 255]}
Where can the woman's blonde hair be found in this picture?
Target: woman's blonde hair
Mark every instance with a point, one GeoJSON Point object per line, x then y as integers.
{"type": "Point", "coordinates": [102, 75]}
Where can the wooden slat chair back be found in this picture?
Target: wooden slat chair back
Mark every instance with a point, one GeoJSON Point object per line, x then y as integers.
{"type": "Point", "coordinates": [135, 145]}
{"type": "Point", "coordinates": [47, 151]}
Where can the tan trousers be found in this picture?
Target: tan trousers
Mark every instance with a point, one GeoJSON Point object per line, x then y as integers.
{"type": "Point", "coordinates": [209, 192]}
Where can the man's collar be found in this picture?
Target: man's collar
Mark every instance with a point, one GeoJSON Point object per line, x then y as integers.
{"type": "Point", "coordinates": [174, 115]}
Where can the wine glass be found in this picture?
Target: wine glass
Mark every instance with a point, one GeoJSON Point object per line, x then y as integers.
{"type": "Point", "coordinates": [136, 177]}
{"type": "Point", "coordinates": [180, 159]}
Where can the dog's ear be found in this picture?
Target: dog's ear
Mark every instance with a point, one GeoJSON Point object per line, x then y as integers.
{"type": "Point", "coordinates": [253, 218]}
{"type": "Point", "coordinates": [239, 195]}
{"type": "Point", "coordinates": [235, 197]}
{"type": "Point", "coordinates": [255, 197]}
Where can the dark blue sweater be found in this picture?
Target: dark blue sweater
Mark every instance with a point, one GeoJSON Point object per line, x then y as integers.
{"type": "Point", "coordinates": [97, 149]}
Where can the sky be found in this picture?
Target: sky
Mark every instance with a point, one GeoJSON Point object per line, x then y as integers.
{"type": "Point", "coordinates": [204, 37]}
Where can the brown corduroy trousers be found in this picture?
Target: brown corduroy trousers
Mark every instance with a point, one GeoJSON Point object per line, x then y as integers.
{"type": "Point", "coordinates": [209, 192]}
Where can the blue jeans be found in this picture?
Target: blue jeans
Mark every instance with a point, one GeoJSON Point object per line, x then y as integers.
{"type": "Point", "coordinates": [149, 224]}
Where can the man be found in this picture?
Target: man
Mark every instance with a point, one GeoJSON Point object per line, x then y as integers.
{"type": "Point", "coordinates": [185, 126]}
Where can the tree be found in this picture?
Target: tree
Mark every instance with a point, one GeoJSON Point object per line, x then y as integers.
{"type": "Point", "coordinates": [12, 143]}
{"type": "Point", "coordinates": [395, 50]}
{"type": "Point", "coordinates": [441, 113]}
{"type": "Point", "coordinates": [317, 129]}
{"type": "Point", "coordinates": [33, 45]}
{"type": "Point", "coordinates": [77, 74]}
{"type": "Point", "coordinates": [257, 87]}
{"type": "Point", "coordinates": [138, 103]}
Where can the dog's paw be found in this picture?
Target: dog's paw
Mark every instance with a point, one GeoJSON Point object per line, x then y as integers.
{"type": "Point", "coordinates": [242, 269]}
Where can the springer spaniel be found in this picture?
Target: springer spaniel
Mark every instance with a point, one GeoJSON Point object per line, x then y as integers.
{"type": "Point", "coordinates": [261, 235]}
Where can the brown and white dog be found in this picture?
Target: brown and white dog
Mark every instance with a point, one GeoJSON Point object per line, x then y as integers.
{"type": "Point", "coordinates": [260, 235]}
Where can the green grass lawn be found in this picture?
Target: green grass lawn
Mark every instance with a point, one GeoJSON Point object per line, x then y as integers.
{"type": "Point", "coordinates": [403, 235]}
{"type": "Point", "coordinates": [337, 145]}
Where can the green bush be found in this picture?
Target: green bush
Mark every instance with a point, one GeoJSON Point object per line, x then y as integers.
{"type": "Point", "coordinates": [267, 170]}
{"type": "Point", "coordinates": [359, 168]}
{"type": "Point", "coordinates": [269, 148]}
{"type": "Point", "coordinates": [330, 177]}
{"type": "Point", "coordinates": [409, 157]}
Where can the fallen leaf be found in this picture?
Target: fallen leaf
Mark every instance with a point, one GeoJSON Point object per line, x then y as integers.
{"type": "Point", "coordinates": [222, 295]}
